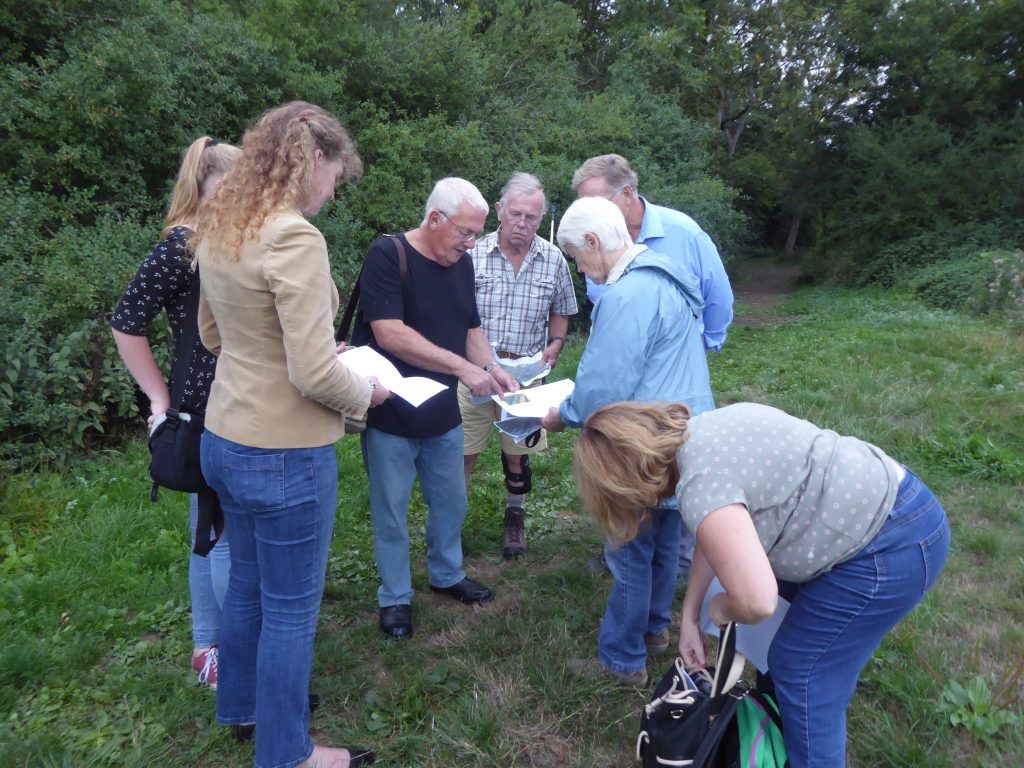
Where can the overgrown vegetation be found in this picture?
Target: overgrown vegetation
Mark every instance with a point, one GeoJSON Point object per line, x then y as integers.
{"type": "Point", "coordinates": [879, 140]}
{"type": "Point", "coordinates": [94, 624]}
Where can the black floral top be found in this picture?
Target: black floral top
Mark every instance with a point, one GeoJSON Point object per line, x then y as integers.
{"type": "Point", "coordinates": [163, 282]}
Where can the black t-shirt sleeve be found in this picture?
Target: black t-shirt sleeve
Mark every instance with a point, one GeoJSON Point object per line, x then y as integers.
{"type": "Point", "coordinates": [163, 278]}
{"type": "Point", "coordinates": [380, 287]}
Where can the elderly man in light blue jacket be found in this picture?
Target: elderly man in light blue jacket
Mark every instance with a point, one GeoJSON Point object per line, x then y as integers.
{"type": "Point", "coordinates": [645, 345]}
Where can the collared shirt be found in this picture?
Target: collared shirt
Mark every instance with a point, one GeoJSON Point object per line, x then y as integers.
{"type": "Point", "coordinates": [514, 308]}
{"type": "Point", "coordinates": [676, 235]}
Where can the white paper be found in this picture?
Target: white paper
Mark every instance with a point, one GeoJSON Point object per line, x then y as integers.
{"type": "Point", "coordinates": [534, 402]}
{"type": "Point", "coordinates": [525, 370]}
{"type": "Point", "coordinates": [365, 361]}
{"type": "Point", "coordinates": [518, 427]}
{"type": "Point", "coordinates": [752, 640]}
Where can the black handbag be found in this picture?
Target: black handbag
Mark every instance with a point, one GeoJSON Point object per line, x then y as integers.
{"type": "Point", "coordinates": [174, 441]}
{"type": "Point", "coordinates": [692, 721]}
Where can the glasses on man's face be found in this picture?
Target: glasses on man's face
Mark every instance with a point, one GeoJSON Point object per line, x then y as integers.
{"type": "Point", "coordinates": [530, 219]}
{"type": "Point", "coordinates": [465, 235]}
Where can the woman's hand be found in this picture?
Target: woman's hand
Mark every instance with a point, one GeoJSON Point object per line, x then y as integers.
{"type": "Point", "coordinates": [157, 407]}
{"type": "Point", "coordinates": [693, 649]}
{"type": "Point", "coordinates": [379, 392]}
{"type": "Point", "coordinates": [552, 422]}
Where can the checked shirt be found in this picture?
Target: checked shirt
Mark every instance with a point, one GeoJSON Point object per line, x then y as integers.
{"type": "Point", "coordinates": [513, 308]}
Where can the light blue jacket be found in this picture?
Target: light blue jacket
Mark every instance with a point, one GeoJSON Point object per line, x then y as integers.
{"type": "Point", "coordinates": [645, 343]}
{"type": "Point", "coordinates": [676, 235]}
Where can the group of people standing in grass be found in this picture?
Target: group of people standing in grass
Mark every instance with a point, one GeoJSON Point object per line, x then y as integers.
{"type": "Point", "coordinates": [777, 505]}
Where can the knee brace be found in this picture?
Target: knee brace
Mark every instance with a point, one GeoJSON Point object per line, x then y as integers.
{"type": "Point", "coordinates": [521, 479]}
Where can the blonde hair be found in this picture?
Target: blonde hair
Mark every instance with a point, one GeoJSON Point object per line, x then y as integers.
{"type": "Point", "coordinates": [275, 170]}
{"type": "Point", "coordinates": [614, 169]}
{"type": "Point", "coordinates": [625, 462]}
{"type": "Point", "coordinates": [204, 158]}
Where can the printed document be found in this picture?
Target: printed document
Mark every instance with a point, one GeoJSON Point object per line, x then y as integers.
{"type": "Point", "coordinates": [535, 402]}
{"type": "Point", "coordinates": [365, 361]}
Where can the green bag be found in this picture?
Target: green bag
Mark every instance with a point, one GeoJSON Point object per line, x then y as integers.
{"type": "Point", "coordinates": [760, 730]}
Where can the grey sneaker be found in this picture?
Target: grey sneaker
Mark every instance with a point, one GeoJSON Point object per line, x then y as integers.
{"type": "Point", "coordinates": [514, 541]}
{"type": "Point", "coordinates": [593, 668]}
{"type": "Point", "coordinates": [657, 644]}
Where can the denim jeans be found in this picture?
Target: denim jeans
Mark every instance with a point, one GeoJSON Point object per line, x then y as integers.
{"type": "Point", "coordinates": [837, 620]}
{"type": "Point", "coordinates": [392, 464]}
{"type": "Point", "coordinates": [640, 603]}
{"type": "Point", "coordinates": [207, 584]}
{"type": "Point", "coordinates": [279, 505]}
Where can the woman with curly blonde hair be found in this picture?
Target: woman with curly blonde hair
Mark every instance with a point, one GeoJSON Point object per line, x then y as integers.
{"type": "Point", "coordinates": [276, 408]}
{"type": "Point", "coordinates": [853, 537]}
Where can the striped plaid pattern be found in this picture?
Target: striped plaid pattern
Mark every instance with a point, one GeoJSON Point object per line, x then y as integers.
{"type": "Point", "coordinates": [514, 309]}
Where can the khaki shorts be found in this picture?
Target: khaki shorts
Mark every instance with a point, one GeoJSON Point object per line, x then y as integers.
{"type": "Point", "coordinates": [478, 423]}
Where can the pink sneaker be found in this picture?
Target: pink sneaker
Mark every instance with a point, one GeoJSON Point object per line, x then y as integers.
{"type": "Point", "coordinates": [205, 665]}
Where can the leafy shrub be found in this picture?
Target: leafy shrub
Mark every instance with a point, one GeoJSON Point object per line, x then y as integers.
{"type": "Point", "coordinates": [955, 284]}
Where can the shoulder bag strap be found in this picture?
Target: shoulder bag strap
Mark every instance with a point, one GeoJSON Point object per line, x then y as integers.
{"type": "Point", "coordinates": [353, 299]}
{"type": "Point", "coordinates": [185, 344]}
{"type": "Point", "coordinates": [729, 665]}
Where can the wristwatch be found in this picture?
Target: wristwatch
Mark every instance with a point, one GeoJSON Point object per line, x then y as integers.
{"type": "Point", "coordinates": [553, 339]}
{"type": "Point", "coordinates": [373, 385]}
{"type": "Point", "coordinates": [487, 368]}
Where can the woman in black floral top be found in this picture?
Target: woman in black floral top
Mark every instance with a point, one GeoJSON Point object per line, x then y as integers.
{"type": "Point", "coordinates": [163, 282]}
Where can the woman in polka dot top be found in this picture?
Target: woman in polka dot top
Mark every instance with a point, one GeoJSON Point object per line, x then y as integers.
{"type": "Point", "coordinates": [851, 536]}
{"type": "Point", "coordinates": [163, 284]}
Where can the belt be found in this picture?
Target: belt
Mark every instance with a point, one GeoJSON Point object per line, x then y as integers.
{"type": "Point", "coordinates": [501, 353]}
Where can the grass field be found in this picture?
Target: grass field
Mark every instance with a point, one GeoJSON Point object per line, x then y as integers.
{"type": "Point", "coordinates": [94, 619]}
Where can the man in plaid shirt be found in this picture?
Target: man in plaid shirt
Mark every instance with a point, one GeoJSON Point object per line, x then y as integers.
{"type": "Point", "coordinates": [524, 295]}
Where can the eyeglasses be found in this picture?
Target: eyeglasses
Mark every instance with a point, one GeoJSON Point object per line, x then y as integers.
{"type": "Point", "coordinates": [530, 219]}
{"type": "Point", "coordinates": [465, 235]}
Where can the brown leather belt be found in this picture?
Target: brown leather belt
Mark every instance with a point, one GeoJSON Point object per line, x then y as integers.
{"type": "Point", "coordinates": [501, 353]}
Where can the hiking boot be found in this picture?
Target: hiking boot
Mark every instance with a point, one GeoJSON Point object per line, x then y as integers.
{"type": "Point", "coordinates": [657, 644]}
{"type": "Point", "coordinates": [514, 542]}
{"type": "Point", "coordinates": [593, 668]}
{"type": "Point", "coordinates": [205, 666]}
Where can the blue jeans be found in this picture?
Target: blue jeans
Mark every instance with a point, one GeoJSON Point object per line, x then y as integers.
{"type": "Point", "coordinates": [640, 603]}
{"type": "Point", "coordinates": [207, 584]}
{"type": "Point", "coordinates": [837, 620]}
{"type": "Point", "coordinates": [392, 464]}
{"type": "Point", "coordinates": [279, 505]}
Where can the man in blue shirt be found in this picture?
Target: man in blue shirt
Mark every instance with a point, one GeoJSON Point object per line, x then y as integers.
{"type": "Point", "coordinates": [670, 233]}
{"type": "Point", "coordinates": [664, 231]}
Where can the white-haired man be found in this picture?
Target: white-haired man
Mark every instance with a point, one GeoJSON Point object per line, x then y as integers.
{"type": "Point", "coordinates": [525, 295]}
{"type": "Point", "coordinates": [418, 308]}
{"type": "Point", "coordinates": [675, 235]}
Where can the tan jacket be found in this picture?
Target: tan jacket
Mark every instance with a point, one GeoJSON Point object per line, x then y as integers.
{"type": "Point", "coordinates": [269, 318]}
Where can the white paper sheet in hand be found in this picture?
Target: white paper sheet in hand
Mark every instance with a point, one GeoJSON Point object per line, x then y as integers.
{"type": "Point", "coordinates": [368, 362]}
{"type": "Point", "coordinates": [535, 402]}
{"type": "Point", "coordinates": [752, 640]}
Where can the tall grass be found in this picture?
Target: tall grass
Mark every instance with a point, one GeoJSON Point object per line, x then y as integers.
{"type": "Point", "coordinates": [95, 628]}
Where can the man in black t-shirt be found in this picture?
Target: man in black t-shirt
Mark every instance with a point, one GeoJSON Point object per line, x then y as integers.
{"type": "Point", "coordinates": [426, 323]}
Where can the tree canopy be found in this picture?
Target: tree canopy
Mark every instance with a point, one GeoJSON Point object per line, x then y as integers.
{"type": "Point", "coordinates": [868, 136]}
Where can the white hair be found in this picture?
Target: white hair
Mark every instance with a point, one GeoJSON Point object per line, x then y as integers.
{"type": "Point", "coordinates": [600, 217]}
{"type": "Point", "coordinates": [450, 194]}
{"type": "Point", "coordinates": [522, 184]}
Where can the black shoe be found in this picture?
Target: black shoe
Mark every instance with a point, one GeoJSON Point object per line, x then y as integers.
{"type": "Point", "coordinates": [245, 731]}
{"type": "Point", "coordinates": [466, 591]}
{"type": "Point", "coordinates": [396, 623]}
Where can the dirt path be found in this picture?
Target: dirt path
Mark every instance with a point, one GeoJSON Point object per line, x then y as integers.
{"type": "Point", "coordinates": [758, 294]}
